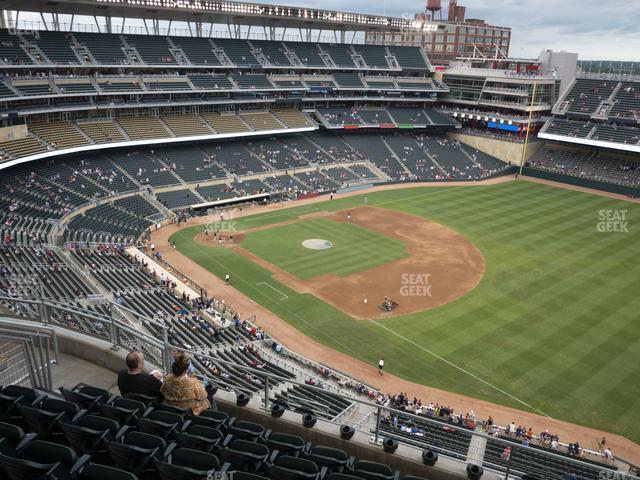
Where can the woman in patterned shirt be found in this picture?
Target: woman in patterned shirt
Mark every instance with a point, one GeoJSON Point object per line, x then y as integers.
{"type": "Point", "coordinates": [181, 390]}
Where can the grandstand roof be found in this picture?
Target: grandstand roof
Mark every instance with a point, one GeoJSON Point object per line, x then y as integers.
{"type": "Point", "coordinates": [218, 12]}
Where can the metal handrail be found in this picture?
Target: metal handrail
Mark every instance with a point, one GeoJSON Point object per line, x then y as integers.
{"type": "Point", "coordinates": [166, 349]}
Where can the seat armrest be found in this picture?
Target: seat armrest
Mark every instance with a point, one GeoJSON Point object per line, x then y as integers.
{"type": "Point", "coordinates": [225, 467]}
{"type": "Point", "coordinates": [28, 438]}
{"type": "Point", "coordinates": [350, 463]}
{"type": "Point", "coordinates": [227, 439]}
{"type": "Point", "coordinates": [80, 464]}
{"type": "Point", "coordinates": [307, 448]}
{"type": "Point", "coordinates": [267, 434]}
{"type": "Point", "coordinates": [58, 417]}
{"type": "Point", "coordinates": [396, 475]}
{"type": "Point", "coordinates": [38, 400]}
{"type": "Point", "coordinates": [122, 432]}
{"type": "Point", "coordinates": [323, 473]}
{"type": "Point", "coordinates": [78, 416]}
{"type": "Point", "coordinates": [272, 457]}
{"type": "Point", "coordinates": [170, 448]}
{"type": "Point", "coordinates": [185, 425]}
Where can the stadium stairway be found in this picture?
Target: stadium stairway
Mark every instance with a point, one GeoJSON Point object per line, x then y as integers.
{"type": "Point", "coordinates": [395, 155]}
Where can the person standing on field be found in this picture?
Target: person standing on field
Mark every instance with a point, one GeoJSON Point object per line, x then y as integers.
{"type": "Point", "coordinates": [380, 366]}
{"type": "Point", "coordinates": [227, 279]}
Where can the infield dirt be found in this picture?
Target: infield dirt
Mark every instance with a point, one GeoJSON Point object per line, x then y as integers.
{"type": "Point", "coordinates": [441, 266]}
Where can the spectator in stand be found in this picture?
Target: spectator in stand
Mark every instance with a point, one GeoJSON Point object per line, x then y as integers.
{"type": "Point", "coordinates": [133, 379]}
{"type": "Point", "coordinates": [181, 390]}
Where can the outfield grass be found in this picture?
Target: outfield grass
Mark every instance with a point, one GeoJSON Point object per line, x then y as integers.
{"type": "Point", "coordinates": [554, 322]}
{"type": "Point", "coordinates": [354, 249]}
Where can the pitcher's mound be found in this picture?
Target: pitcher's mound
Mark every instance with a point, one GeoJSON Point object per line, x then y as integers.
{"type": "Point", "coordinates": [317, 244]}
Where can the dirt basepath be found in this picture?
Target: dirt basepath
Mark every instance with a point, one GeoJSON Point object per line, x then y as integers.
{"type": "Point", "coordinates": [292, 338]}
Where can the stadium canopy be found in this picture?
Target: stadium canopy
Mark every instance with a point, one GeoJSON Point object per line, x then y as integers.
{"type": "Point", "coordinates": [230, 13]}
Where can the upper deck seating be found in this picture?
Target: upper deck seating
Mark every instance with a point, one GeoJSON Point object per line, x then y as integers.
{"type": "Point", "coordinates": [154, 50]}
{"type": "Point", "coordinates": [105, 48]}
{"type": "Point", "coordinates": [198, 50]}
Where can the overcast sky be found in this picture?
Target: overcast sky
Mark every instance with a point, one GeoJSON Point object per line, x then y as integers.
{"type": "Point", "coordinates": [596, 29]}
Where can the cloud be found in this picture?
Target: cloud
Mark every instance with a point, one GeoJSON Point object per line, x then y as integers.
{"type": "Point", "coordinates": [592, 28]}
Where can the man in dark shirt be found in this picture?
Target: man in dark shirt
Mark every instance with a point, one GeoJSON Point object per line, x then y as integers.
{"type": "Point", "coordinates": [134, 380]}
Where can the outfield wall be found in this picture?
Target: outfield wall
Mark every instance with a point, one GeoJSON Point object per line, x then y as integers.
{"type": "Point", "coordinates": [501, 149]}
{"type": "Point", "coordinates": [582, 182]}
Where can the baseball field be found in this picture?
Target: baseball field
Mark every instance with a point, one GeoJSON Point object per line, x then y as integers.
{"type": "Point", "coordinates": [518, 293]}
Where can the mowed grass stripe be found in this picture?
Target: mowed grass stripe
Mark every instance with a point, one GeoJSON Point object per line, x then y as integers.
{"type": "Point", "coordinates": [552, 321]}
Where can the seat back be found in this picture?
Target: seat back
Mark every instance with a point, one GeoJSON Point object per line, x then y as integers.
{"type": "Point", "coordinates": [373, 470]}
{"type": "Point", "coordinates": [158, 428]}
{"type": "Point", "coordinates": [207, 422]}
{"type": "Point", "coordinates": [198, 437]}
{"type": "Point", "coordinates": [83, 440]}
{"type": "Point", "coordinates": [95, 422]}
{"type": "Point", "coordinates": [120, 414]}
{"type": "Point", "coordinates": [163, 407]}
{"type": "Point", "coordinates": [328, 456]}
{"type": "Point", "coordinates": [245, 455]}
{"type": "Point", "coordinates": [29, 394]}
{"type": "Point", "coordinates": [145, 399]}
{"type": "Point", "coordinates": [12, 433]}
{"type": "Point", "coordinates": [19, 469]}
{"type": "Point", "coordinates": [40, 421]}
{"type": "Point", "coordinates": [220, 417]}
{"type": "Point", "coordinates": [284, 442]}
{"type": "Point", "coordinates": [102, 394]}
{"type": "Point", "coordinates": [188, 457]}
{"type": "Point", "coordinates": [130, 457]}
{"type": "Point", "coordinates": [84, 401]}
{"type": "Point", "coordinates": [69, 409]}
{"type": "Point", "coordinates": [130, 404]}
{"type": "Point", "coordinates": [166, 417]}
{"type": "Point", "coordinates": [293, 468]}
{"type": "Point", "coordinates": [101, 472]}
{"type": "Point", "coordinates": [9, 407]}
{"type": "Point", "coordinates": [49, 452]}
{"type": "Point", "coordinates": [249, 430]}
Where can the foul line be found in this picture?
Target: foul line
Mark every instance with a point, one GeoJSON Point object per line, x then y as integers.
{"type": "Point", "coordinates": [460, 368]}
{"type": "Point", "coordinates": [284, 295]}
